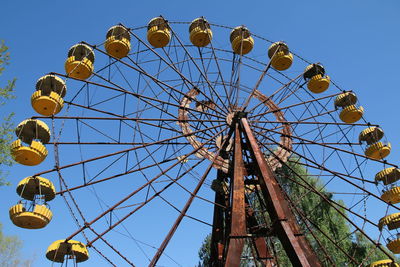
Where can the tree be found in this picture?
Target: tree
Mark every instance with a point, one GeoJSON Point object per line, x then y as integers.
{"type": "Point", "coordinates": [324, 218]}
{"type": "Point", "coordinates": [10, 246]}
{"type": "Point", "coordinates": [6, 127]}
{"type": "Point", "coordinates": [204, 252]}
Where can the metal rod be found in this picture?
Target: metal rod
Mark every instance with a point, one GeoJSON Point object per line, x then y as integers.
{"type": "Point", "coordinates": [294, 105]}
{"type": "Point", "coordinates": [130, 195]}
{"type": "Point", "coordinates": [119, 118]}
{"type": "Point", "coordinates": [122, 151]}
{"type": "Point", "coordinates": [218, 231]}
{"type": "Point", "coordinates": [186, 207]}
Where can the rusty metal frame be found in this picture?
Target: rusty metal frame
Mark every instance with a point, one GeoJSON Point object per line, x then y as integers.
{"type": "Point", "coordinates": [285, 225]}
{"type": "Point", "coordinates": [238, 218]}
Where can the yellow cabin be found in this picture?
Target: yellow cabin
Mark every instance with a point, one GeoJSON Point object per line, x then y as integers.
{"type": "Point", "coordinates": [31, 155]}
{"type": "Point", "coordinates": [375, 148]}
{"type": "Point", "coordinates": [378, 150]}
{"type": "Point", "coordinates": [388, 175]}
{"type": "Point", "coordinates": [38, 218]}
{"type": "Point", "coordinates": [350, 112]}
{"type": "Point", "coordinates": [392, 195]}
{"type": "Point", "coordinates": [384, 263]}
{"type": "Point", "coordinates": [394, 246]}
{"type": "Point", "coordinates": [241, 40]}
{"type": "Point", "coordinates": [30, 187]}
{"type": "Point", "coordinates": [371, 135]}
{"type": "Point", "coordinates": [75, 250]}
{"type": "Point", "coordinates": [318, 82]}
{"type": "Point", "coordinates": [80, 62]}
{"type": "Point", "coordinates": [34, 133]}
{"type": "Point", "coordinates": [346, 99]}
{"type": "Point", "coordinates": [392, 221]}
{"type": "Point", "coordinates": [158, 32]}
{"type": "Point", "coordinates": [118, 43]}
{"type": "Point", "coordinates": [33, 215]}
{"type": "Point", "coordinates": [48, 100]}
{"type": "Point", "coordinates": [281, 58]}
{"type": "Point", "coordinates": [200, 32]}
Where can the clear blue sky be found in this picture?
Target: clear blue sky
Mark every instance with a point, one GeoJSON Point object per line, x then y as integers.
{"type": "Point", "coordinates": [357, 41]}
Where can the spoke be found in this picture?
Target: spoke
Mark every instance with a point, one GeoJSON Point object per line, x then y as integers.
{"type": "Point", "coordinates": [157, 81]}
{"type": "Point", "coordinates": [199, 69]}
{"type": "Point", "coordinates": [122, 151]}
{"type": "Point", "coordinates": [220, 73]}
{"type": "Point", "coordinates": [140, 96]}
{"type": "Point", "coordinates": [321, 167]}
{"type": "Point", "coordinates": [111, 246]}
{"type": "Point", "coordinates": [185, 208]}
{"type": "Point", "coordinates": [133, 193]}
{"type": "Point", "coordinates": [330, 202]}
{"type": "Point", "coordinates": [334, 148]}
{"type": "Point", "coordinates": [294, 105]}
{"type": "Point", "coordinates": [260, 79]}
{"type": "Point", "coordinates": [318, 122]}
{"type": "Point", "coordinates": [273, 94]}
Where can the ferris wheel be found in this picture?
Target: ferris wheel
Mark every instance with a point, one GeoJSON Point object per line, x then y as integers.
{"type": "Point", "coordinates": [179, 126]}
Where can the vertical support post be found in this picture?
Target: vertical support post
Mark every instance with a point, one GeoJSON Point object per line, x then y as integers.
{"type": "Point", "coordinates": [286, 228]}
{"type": "Point", "coordinates": [238, 222]}
{"type": "Point", "coordinates": [219, 230]}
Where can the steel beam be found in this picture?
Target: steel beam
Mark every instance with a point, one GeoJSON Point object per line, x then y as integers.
{"type": "Point", "coordinates": [218, 232]}
{"type": "Point", "coordinates": [238, 222]}
{"type": "Point", "coordinates": [284, 221]}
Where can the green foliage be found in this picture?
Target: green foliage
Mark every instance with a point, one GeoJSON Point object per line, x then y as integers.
{"type": "Point", "coordinates": [325, 220]}
{"type": "Point", "coordinates": [6, 127]}
{"type": "Point", "coordinates": [204, 252]}
{"type": "Point", "coordinates": [10, 247]}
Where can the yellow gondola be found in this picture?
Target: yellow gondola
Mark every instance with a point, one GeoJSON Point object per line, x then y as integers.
{"type": "Point", "coordinates": [36, 219]}
{"type": "Point", "coordinates": [351, 114]}
{"type": "Point", "coordinates": [378, 150]}
{"type": "Point", "coordinates": [30, 187]}
{"type": "Point", "coordinates": [281, 58]}
{"type": "Point", "coordinates": [392, 221]}
{"type": "Point", "coordinates": [200, 32]}
{"type": "Point", "coordinates": [32, 129]}
{"type": "Point", "coordinates": [158, 32]}
{"type": "Point", "coordinates": [346, 99]}
{"type": "Point", "coordinates": [241, 40]}
{"type": "Point", "coordinates": [318, 82]}
{"type": "Point", "coordinates": [118, 43]}
{"type": "Point", "coordinates": [31, 155]}
{"type": "Point", "coordinates": [392, 195]}
{"type": "Point", "coordinates": [388, 175]}
{"type": "Point", "coordinates": [57, 251]}
{"type": "Point", "coordinates": [375, 149]}
{"type": "Point", "coordinates": [371, 135]}
{"type": "Point", "coordinates": [394, 246]}
{"type": "Point", "coordinates": [48, 100]}
{"type": "Point", "coordinates": [384, 263]}
{"type": "Point", "coordinates": [34, 133]}
{"type": "Point", "coordinates": [79, 64]}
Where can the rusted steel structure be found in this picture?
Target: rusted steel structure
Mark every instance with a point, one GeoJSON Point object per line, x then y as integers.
{"type": "Point", "coordinates": [230, 230]}
{"type": "Point", "coordinates": [163, 127]}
